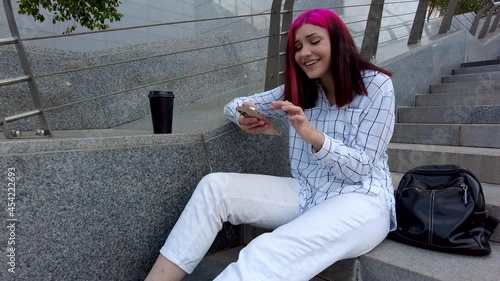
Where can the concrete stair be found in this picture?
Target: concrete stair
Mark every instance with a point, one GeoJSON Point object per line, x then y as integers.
{"type": "Point", "coordinates": [481, 63]}
{"type": "Point", "coordinates": [390, 261]}
{"type": "Point", "coordinates": [473, 114]}
{"type": "Point", "coordinates": [481, 86]}
{"type": "Point", "coordinates": [458, 99]}
{"type": "Point", "coordinates": [470, 77]}
{"type": "Point", "coordinates": [458, 122]}
{"type": "Point", "coordinates": [473, 135]}
{"type": "Point", "coordinates": [476, 69]}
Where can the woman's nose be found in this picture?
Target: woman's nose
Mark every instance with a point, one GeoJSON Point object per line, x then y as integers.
{"type": "Point", "coordinates": [305, 52]}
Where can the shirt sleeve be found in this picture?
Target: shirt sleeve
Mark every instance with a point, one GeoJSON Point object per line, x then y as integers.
{"type": "Point", "coordinates": [355, 162]}
{"type": "Point", "coordinates": [261, 100]}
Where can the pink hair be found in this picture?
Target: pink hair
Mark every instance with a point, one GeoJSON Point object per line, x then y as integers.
{"type": "Point", "coordinates": [346, 62]}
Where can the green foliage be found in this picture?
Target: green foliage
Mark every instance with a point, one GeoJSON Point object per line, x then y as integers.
{"type": "Point", "coordinates": [91, 14]}
{"type": "Point", "coordinates": [463, 6]}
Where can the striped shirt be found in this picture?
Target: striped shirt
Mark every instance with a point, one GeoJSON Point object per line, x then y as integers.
{"type": "Point", "coordinates": [354, 155]}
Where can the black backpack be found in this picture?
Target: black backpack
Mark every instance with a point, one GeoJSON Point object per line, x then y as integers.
{"type": "Point", "coordinates": [441, 207]}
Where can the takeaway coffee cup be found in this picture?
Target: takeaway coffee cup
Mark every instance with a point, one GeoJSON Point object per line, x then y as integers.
{"type": "Point", "coordinates": [162, 108]}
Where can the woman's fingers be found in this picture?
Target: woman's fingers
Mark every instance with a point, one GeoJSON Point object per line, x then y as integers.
{"type": "Point", "coordinates": [298, 118]}
{"type": "Point", "coordinates": [247, 120]}
{"type": "Point", "coordinates": [279, 104]}
{"type": "Point", "coordinates": [246, 103]}
{"type": "Point", "coordinates": [252, 125]}
{"type": "Point", "coordinates": [288, 107]}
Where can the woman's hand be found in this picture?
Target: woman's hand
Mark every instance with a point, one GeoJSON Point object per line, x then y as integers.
{"type": "Point", "coordinates": [251, 125]}
{"type": "Point", "coordinates": [301, 124]}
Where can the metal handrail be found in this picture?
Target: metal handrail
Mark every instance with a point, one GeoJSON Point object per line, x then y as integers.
{"type": "Point", "coordinates": [136, 27]}
{"type": "Point", "coordinates": [392, 16]}
{"type": "Point", "coordinates": [146, 58]}
{"type": "Point", "coordinates": [151, 84]}
{"type": "Point", "coordinates": [359, 5]}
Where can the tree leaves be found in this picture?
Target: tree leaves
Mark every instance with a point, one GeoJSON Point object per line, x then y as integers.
{"type": "Point", "coordinates": [463, 6]}
{"type": "Point", "coordinates": [91, 14]}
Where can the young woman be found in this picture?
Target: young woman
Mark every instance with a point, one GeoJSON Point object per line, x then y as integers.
{"type": "Point", "coordinates": [339, 202]}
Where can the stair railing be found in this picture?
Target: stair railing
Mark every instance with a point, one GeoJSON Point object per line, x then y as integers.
{"type": "Point", "coordinates": [45, 130]}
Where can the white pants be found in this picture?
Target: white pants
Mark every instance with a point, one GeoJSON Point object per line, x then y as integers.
{"type": "Point", "coordinates": [300, 247]}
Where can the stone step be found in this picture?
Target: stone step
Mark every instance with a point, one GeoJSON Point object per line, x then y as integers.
{"type": "Point", "coordinates": [476, 69]}
{"type": "Point", "coordinates": [480, 135]}
{"type": "Point", "coordinates": [458, 99]}
{"type": "Point", "coordinates": [480, 86]}
{"type": "Point", "coordinates": [477, 114]}
{"type": "Point", "coordinates": [392, 261]}
{"type": "Point", "coordinates": [475, 135]}
{"type": "Point", "coordinates": [472, 77]}
{"type": "Point", "coordinates": [483, 162]}
{"type": "Point", "coordinates": [389, 261]}
{"type": "Point", "coordinates": [480, 63]}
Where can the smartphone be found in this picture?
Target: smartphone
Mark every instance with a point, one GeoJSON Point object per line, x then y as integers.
{"type": "Point", "coordinates": [250, 111]}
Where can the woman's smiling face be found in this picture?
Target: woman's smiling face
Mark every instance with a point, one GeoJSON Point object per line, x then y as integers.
{"type": "Point", "coordinates": [313, 51]}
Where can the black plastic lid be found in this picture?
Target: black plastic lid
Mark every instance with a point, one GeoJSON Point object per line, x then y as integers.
{"type": "Point", "coordinates": [166, 94]}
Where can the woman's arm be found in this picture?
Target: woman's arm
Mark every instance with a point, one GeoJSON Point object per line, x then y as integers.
{"type": "Point", "coordinates": [261, 101]}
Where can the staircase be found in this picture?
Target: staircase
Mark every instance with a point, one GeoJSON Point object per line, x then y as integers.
{"type": "Point", "coordinates": [457, 123]}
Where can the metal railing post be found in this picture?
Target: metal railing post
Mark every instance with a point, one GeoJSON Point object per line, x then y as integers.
{"type": "Point", "coordinates": [46, 129]}
{"type": "Point", "coordinates": [418, 23]}
{"type": "Point", "coordinates": [475, 23]}
{"type": "Point", "coordinates": [272, 68]}
{"type": "Point", "coordinates": [285, 27]}
{"type": "Point", "coordinates": [486, 25]}
{"type": "Point", "coordinates": [496, 21]}
{"type": "Point", "coordinates": [448, 17]}
{"type": "Point", "coordinates": [372, 30]}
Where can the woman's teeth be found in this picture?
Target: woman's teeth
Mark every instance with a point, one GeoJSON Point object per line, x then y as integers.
{"type": "Point", "coordinates": [309, 63]}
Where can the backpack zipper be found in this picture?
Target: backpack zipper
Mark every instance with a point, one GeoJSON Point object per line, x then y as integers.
{"type": "Point", "coordinates": [464, 187]}
{"type": "Point", "coordinates": [431, 216]}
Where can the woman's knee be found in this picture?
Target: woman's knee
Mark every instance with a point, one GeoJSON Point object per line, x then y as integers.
{"type": "Point", "coordinates": [212, 186]}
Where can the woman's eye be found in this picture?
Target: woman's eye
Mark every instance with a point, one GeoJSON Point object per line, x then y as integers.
{"type": "Point", "coordinates": [298, 48]}
{"type": "Point", "coordinates": [315, 42]}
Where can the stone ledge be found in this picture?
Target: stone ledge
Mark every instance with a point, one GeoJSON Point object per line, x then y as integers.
{"type": "Point", "coordinates": [392, 261]}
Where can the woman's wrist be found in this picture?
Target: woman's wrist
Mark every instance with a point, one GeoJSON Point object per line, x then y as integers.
{"type": "Point", "coordinates": [317, 140]}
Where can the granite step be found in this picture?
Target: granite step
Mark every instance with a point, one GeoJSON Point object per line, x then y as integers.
{"type": "Point", "coordinates": [483, 162]}
{"type": "Point", "coordinates": [458, 99]}
{"type": "Point", "coordinates": [476, 114]}
{"type": "Point", "coordinates": [471, 77]}
{"type": "Point", "coordinates": [393, 261]}
{"type": "Point", "coordinates": [476, 69]}
{"type": "Point", "coordinates": [474, 135]}
{"type": "Point", "coordinates": [478, 86]}
{"type": "Point", "coordinates": [480, 63]}
{"type": "Point", "coordinates": [389, 261]}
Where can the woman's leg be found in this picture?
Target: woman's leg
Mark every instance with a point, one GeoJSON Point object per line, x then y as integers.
{"type": "Point", "coordinates": [265, 201]}
{"type": "Point", "coordinates": [165, 270]}
{"type": "Point", "coordinates": [341, 227]}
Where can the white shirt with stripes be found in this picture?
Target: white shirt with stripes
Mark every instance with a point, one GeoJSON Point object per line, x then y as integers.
{"type": "Point", "coordinates": [354, 155]}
